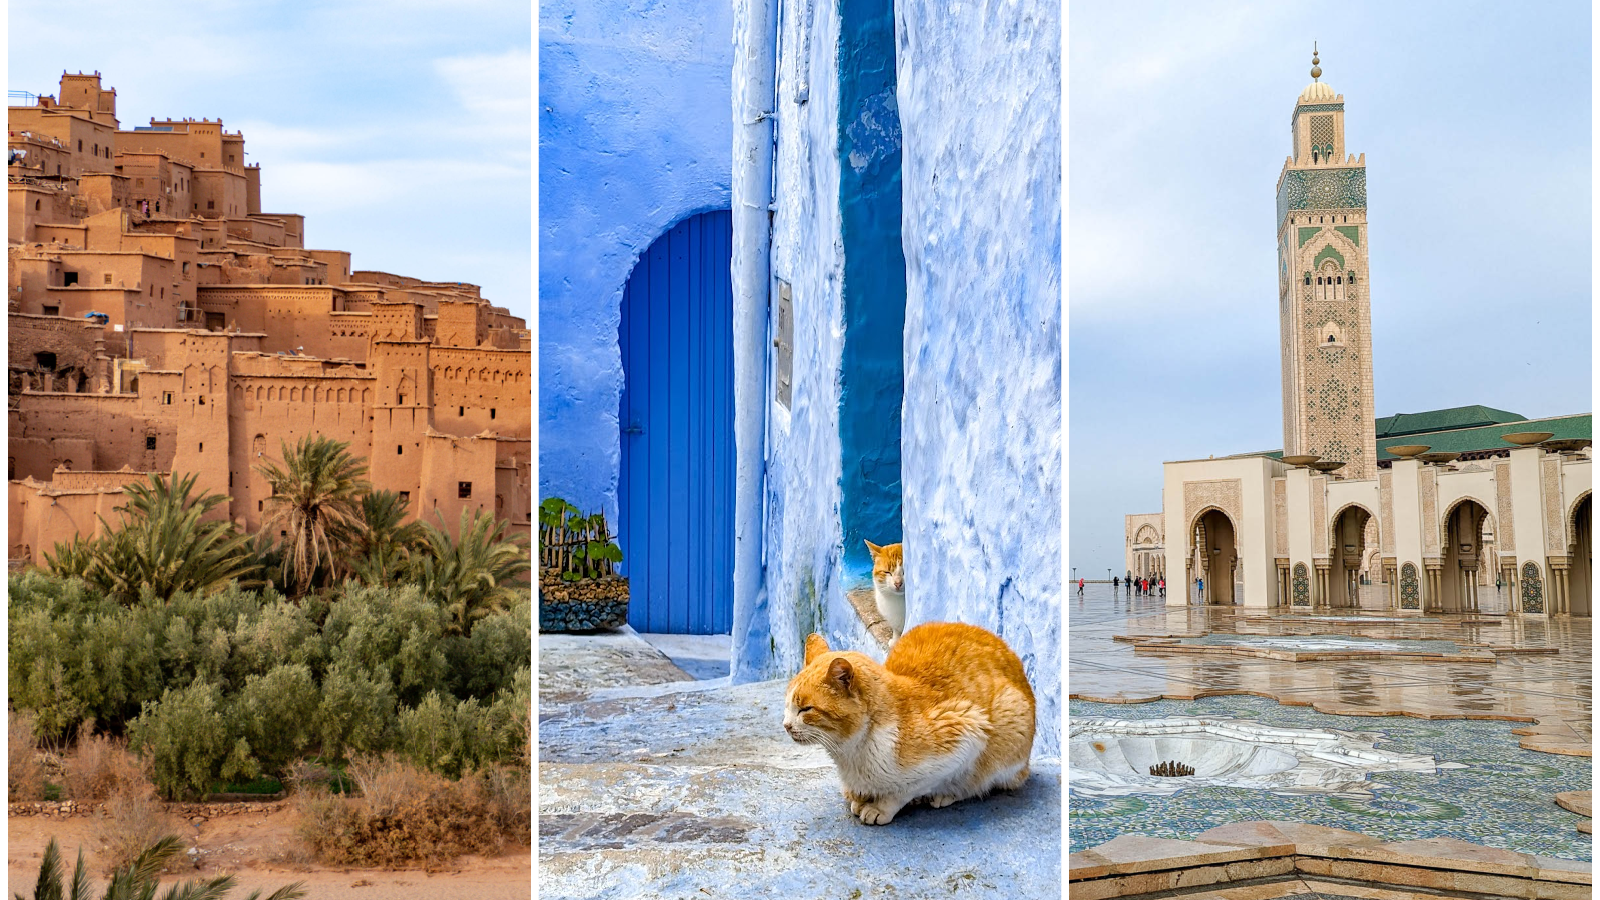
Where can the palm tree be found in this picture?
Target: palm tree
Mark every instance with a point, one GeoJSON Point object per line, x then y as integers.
{"type": "Point", "coordinates": [385, 540]}
{"type": "Point", "coordinates": [140, 880]}
{"type": "Point", "coordinates": [467, 575]}
{"type": "Point", "coordinates": [163, 543]}
{"type": "Point", "coordinates": [316, 503]}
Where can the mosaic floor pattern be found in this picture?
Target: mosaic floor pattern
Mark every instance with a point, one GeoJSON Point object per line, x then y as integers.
{"type": "Point", "coordinates": [1501, 798]}
{"type": "Point", "coordinates": [1472, 714]}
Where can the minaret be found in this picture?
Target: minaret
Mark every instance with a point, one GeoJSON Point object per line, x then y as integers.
{"type": "Point", "coordinates": [1324, 306]}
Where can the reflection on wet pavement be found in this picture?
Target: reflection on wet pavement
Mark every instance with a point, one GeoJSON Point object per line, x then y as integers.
{"type": "Point", "coordinates": [1552, 689]}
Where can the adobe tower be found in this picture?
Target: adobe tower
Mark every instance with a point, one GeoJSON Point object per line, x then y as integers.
{"type": "Point", "coordinates": [1324, 305]}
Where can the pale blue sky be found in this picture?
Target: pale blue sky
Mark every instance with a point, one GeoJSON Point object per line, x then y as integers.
{"type": "Point", "coordinates": [401, 129]}
{"type": "Point", "coordinates": [1475, 121]}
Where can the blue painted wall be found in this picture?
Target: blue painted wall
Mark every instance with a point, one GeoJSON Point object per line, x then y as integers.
{"type": "Point", "coordinates": [802, 530]}
{"type": "Point", "coordinates": [977, 96]}
{"type": "Point", "coordinates": [634, 135]}
{"type": "Point", "coordinates": [980, 93]}
{"type": "Point", "coordinates": [871, 384]}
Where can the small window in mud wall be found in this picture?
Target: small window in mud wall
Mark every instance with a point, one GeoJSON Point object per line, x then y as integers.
{"type": "Point", "coordinates": [52, 310]}
{"type": "Point", "coordinates": [405, 497]}
{"type": "Point", "coordinates": [166, 398]}
{"type": "Point", "coordinates": [149, 442]}
{"type": "Point", "coordinates": [464, 490]}
{"type": "Point", "coordinates": [45, 361]}
{"type": "Point", "coordinates": [68, 279]}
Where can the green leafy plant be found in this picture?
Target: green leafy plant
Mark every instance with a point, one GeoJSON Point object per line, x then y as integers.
{"type": "Point", "coordinates": [139, 879]}
{"type": "Point", "coordinates": [316, 502]}
{"type": "Point", "coordinates": [469, 574]}
{"type": "Point", "coordinates": [162, 544]}
{"type": "Point", "coordinates": [576, 545]}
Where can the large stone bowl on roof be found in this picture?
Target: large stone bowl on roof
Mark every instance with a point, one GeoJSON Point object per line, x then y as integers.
{"type": "Point", "coordinates": [1566, 445]}
{"type": "Point", "coordinates": [1406, 451]}
{"type": "Point", "coordinates": [1302, 459]}
{"type": "Point", "coordinates": [1527, 438]}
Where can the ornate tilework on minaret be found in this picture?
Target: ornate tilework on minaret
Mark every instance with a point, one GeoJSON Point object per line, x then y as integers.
{"type": "Point", "coordinates": [1324, 300]}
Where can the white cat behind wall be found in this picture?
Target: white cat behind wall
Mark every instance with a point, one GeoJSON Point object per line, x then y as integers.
{"type": "Point", "coordinates": [889, 584]}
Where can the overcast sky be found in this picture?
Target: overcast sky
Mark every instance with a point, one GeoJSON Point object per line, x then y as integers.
{"type": "Point", "coordinates": [401, 130]}
{"type": "Point", "coordinates": [1475, 121]}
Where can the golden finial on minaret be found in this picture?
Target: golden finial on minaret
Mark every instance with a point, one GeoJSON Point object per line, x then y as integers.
{"type": "Point", "coordinates": [1316, 71]}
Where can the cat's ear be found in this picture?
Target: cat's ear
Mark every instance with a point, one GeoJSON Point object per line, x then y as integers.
{"type": "Point", "coordinates": [816, 645]}
{"type": "Point", "coordinates": [872, 548]}
{"type": "Point", "coordinates": [842, 674]}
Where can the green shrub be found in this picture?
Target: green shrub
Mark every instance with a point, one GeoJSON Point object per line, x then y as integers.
{"type": "Point", "coordinates": [187, 737]}
{"type": "Point", "coordinates": [396, 631]}
{"type": "Point", "coordinates": [245, 681]}
{"type": "Point", "coordinates": [277, 713]}
{"type": "Point", "coordinates": [357, 711]}
{"type": "Point", "coordinates": [486, 661]}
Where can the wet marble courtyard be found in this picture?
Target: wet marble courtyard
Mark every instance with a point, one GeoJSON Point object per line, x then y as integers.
{"type": "Point", "coordinates": [1507, 735]}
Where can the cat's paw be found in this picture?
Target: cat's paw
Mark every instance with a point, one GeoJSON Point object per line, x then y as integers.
{"type": "Point", "coordinates": [940, 801]}
{"type": "Point", "coordinates": [873, 814]}
{"type": "Point", "coordinates": [856, 801]}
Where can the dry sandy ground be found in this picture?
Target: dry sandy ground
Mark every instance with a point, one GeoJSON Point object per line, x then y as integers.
{"type": "Point", "coordinates": [261, 852]}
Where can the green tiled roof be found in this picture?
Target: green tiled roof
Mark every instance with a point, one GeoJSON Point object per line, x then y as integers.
{"type": "Point", "coordinates": [1442, 420]}
{"type": "Point", "coordinates": [1462, 429]}
{"type": "Point", "coordinates": [1466, 440]}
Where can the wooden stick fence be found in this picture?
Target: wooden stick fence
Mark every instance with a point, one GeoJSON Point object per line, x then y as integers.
{"type": "Point", "coordinates": [557, 544]}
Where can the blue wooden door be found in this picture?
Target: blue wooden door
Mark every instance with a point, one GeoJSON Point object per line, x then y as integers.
{"type": "Point", "coordinates": [676, 417]}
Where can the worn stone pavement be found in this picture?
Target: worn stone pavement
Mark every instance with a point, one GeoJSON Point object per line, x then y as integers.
{"type": "Point", "coordinates": [654, 786]}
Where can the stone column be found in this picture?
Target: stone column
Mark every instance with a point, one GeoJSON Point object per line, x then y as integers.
{"type": "Point", "coordinates": [1430, 601]}
{"type": "Point", "coordinates": [1560, 585]}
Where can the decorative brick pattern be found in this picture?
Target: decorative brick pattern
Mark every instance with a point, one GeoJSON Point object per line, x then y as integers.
{"type": "Point", "coordinates": [1327, 252]}
{"type": "Point", "coordinates": [1319, 516]}
{"type": "Point", "coordinates": [1555, 534]}
{"type": "Point", "coordinates": [1505, 534]}
{"type": "Point", "coordinates": [1280, 517]}
{"type": "Point", "coordinates": [1226, 494]}
{"type": "Point", "coordinates": [1302, 585]}
{"type": "Point", "coordinates": [1386, 512]}
{"type": "Point", "coordinates": [1322, 134]}
{"type": "Point", "coordinates": [1430, 512]}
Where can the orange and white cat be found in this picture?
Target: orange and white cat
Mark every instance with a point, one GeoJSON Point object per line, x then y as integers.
{"type": "Point", "coordinates": [889, 584]}
{"type": "Point", "coordinates": [948, 716]}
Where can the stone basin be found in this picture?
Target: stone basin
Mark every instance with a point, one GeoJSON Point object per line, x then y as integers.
{"type": "Point", "coordinates": [1210, 758]}
{"type": "Point", "coordinates": [1112, 757]}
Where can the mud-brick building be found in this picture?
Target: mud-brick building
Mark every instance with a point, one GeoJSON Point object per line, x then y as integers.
{"type": "Point", "coordinates": [159, 322]}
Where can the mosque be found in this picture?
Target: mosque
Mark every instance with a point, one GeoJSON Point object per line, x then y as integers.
{"type": "Point", "coordinates": [1413, 513]}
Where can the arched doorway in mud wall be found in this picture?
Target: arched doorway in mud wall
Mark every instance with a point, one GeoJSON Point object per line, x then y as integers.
{"type": "Point", "coordinates": [1581, 599]}
{"type": "Point", "coordinates": [1464, 555]}
{"type": "Point", "coordinates": [1214, 557]}
{"type": "Point", "coordinates": [676, 483]}
{"type": "Point", "coordinates": [1348, 547]}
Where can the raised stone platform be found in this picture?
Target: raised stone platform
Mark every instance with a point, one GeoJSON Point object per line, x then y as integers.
{"type": "Point", "coordinates": [1269, 859]}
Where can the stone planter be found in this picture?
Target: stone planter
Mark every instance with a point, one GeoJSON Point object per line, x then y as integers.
{"type": "Point", "coordinates": [593, 603]}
